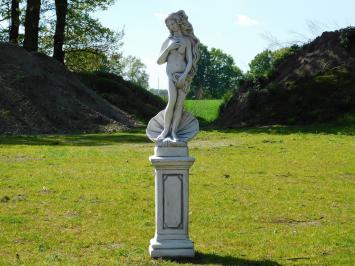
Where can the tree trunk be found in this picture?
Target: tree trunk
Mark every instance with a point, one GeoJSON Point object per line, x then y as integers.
{"type": "Point", "coordinates": [15, 21]}
{"type": "Point", "coordinates": [61, 7]}
{"type": "Point", "coordinates": [32, 25]}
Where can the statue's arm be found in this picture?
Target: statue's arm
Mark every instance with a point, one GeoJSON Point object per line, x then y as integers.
{"type": "Point", "coordinates": [164, 52]}
{"type": "Point", "coordinates": [163, 56]}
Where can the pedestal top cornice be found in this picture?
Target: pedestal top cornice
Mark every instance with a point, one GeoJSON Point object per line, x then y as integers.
{"type": "Point", "coordinates": [174, 162]}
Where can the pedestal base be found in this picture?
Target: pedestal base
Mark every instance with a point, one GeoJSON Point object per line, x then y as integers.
{"type": "Point", "coordinates": [171, 205]}
{"type": "Point", "coordinates": [171, 248]}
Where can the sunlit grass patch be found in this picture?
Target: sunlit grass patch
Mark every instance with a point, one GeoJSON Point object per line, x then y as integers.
{"type": "Point", "coordinates": [207, 110]}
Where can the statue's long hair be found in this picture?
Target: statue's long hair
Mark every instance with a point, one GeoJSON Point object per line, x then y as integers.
{"type": "Point", "coordinates": [186, 28]}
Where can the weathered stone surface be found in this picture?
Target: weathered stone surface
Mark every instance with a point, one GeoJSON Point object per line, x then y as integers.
{"type": "Point", "coordinates": [180, 53]}
{"type": "Point", "coordinates": [171, 199]}
{"type": "Point", "coordinates": [187, 129]}
{"type": "Point", "coordinates": [171, 129]}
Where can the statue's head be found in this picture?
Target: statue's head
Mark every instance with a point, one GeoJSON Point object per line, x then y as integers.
{"type": "Point", "coordinates": [178, 21]}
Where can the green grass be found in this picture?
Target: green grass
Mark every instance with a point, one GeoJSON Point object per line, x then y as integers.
{"type": "Point", "coordinates": [262, 196]}
{"type": "Point", "coordinates": [205, 110]}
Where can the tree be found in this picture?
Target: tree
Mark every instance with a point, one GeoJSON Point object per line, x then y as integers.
{"type": "Point", "coordinates": [15, 21]}
{"type": "Point", "coordinates": [135, 71]}
{"type": "Point", "coordinates": [216, 74]}
{"type": "Point", "coordinates": [261, 65]}
{"type": "Point", "coordinates": [32, 25]}
{"type": "Point", "coordinates": [224, 74]}
{"type": "Point", "coordinates": [66, 29]}
{"type": "Point", "coordinates": [130, 68]}
{"type": "Point", "coordinates": [61, 7]}
{"type": "Point", "coordinates": [265, 62]}
{"type": "Point", "coordinates": [75, 37]}
{"type": "Point", "coordinates": [87, 43]}
{"type": "Point", "coordinates": [201, 79]}
{"type": "Point", "coordinates": [85, 60]}
{"type": "Point", "coordinates": [5, 16]}
{"type": "Point", "coordinates": [84, 36]}
{"type": "Point", "coordinates": [114, 64]}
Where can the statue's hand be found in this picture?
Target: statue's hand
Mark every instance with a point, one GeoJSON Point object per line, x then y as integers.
{"type": "Point", "coordinates": [181, 81]}
{"type": "Point", "coordinates": [174, 46]}
{"type": "Point", "coordinates": [182, 78]}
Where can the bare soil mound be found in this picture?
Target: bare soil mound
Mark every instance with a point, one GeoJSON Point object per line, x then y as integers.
{"type": "Point", "coordinates": [314, 84]}
{"type": "Point", "coordinates": [38, 95]}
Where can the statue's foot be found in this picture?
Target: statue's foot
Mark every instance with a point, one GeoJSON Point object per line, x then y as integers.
{"type": "Point", "coordinates": [163, 135]}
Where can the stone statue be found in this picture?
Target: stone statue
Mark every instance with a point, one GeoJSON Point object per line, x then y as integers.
{"type": "Point", "coordinates": [171, 129]}
{"type": "Point", "coordinates": [174, 126]}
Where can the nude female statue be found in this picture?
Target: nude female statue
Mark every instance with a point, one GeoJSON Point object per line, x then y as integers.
{"type": "Point", "coordinates": [180, 53]}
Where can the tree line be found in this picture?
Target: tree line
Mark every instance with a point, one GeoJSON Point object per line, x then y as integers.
{"type": "Point", "coordinates": [67, 30]}
{"type": "Point", "coordinates": [219, 77]}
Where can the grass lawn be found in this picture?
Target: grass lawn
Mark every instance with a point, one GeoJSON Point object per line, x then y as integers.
{"type": "Point", "coordinates": [267, 196]}
{"type": "Point", "coordinates": [205, 110]}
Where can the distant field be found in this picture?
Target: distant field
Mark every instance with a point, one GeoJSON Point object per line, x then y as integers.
{"type": "Point", "coordinates": [262, 196]}
{"type": "Point", "coordinates": [205, 109]}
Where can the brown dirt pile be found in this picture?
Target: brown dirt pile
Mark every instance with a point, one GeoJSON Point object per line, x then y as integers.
{"type": "Point", "coordinates": [38, 95]}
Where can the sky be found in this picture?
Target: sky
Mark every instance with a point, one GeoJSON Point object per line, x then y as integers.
{"type": "Point", "coordinates": [241, 28]}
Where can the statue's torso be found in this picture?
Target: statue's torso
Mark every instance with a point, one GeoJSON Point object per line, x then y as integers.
{"type": "Point", "coordinates": [176, 61]}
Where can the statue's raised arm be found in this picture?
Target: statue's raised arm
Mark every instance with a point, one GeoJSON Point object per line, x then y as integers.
{"type": "Point", "coordinates": [174, 126]}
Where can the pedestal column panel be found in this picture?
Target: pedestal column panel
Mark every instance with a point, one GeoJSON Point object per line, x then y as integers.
{"type": "Point", "coordinates": [171, 200]}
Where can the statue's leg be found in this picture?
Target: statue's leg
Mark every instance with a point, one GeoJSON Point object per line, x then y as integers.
{"type": "Point", "coordinates": [169, 110]}
{"type": "Point", "coordinates": [178, 112]}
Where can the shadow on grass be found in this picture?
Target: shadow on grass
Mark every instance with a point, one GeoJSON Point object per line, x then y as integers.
{"type": "Point", "coordinates": [138, 135]}
{"type": "Point", "coordinates": [75, 140]}
{"type": "Point", "coordinates": [210, 258]}
{"type": "Point", "coordinates": [328, 129]}
{"type": "Point", "coordinates": [203, 123]}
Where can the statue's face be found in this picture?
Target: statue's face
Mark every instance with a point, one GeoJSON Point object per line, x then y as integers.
{"type": "Point", "coordinates": [172, 25]}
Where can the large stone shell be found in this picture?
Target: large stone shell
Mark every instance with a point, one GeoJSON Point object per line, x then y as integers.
{"type": "Point", "coordinates": [187, 129]}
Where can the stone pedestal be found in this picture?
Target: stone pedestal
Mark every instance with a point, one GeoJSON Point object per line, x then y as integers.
{"type": "Point", "coordinates": [171, 203]}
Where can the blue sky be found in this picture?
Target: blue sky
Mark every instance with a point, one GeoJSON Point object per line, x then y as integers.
{"type": "Point", "coordinates": [241, 28]}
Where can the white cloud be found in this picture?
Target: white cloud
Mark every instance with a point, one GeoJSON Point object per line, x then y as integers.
{"type": "Point", "coordinates": [246, 21]}
{"type": "Point", "coordinates": [160, 15]}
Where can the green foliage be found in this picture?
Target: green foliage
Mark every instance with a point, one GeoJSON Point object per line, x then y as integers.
{"type": "Point", "coordinates": [113, 64]}
{"type": "Point", "coordinates": [91, 5]}
{"type": "Point", "coordinates": [201, 81]}
{"type": "Point", "coordinates": [127, 96]}
{"type": "Point", "coordinates": [87, 43]}
{"type": "Point", "coordinates": [286, 195]}
{"type": "Point", "coordinates": [224, 75]}
{"type": "Point", "coordinates": [135, 71]}
{"type": "Point", "coordinates": [5, 16]}
{"type": "Point", "coordinates": [85, 60]}
{"type": "Point", "coordinates": [347, 37]}
{"type": "Point", "coordinates": [261, 65]}
{"type": "Point", "coordinates": [265, 63]}
{"type": "Point", "coordinates": [5, 113]}
{"type": "Point", "coordinates": [314, 85]}
{"type": "Point", "coordinates": [130, 68]}
{"type": "Point", "coordinates": [216, 74]}
{"type": "Point", "coordinates": [324, 97]}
